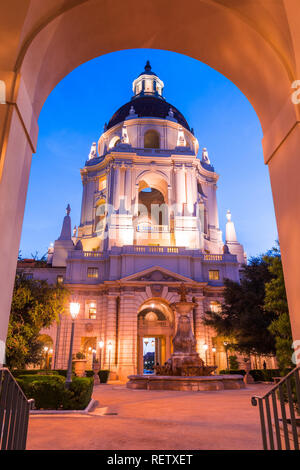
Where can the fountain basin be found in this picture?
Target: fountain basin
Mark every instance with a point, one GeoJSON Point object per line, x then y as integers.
{"type": "Point", "coordinates": [185, 384]}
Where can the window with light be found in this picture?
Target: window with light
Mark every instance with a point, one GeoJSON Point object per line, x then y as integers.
{"type": "Point", "coordinates": [92, 311]}
{"type": "Point", "coordinates": [214, 275]}
{"type": "Point", "coordinates": [93, 273]}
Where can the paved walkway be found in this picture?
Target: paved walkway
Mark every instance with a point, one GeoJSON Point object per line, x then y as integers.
{"type": "Point", "coordinates": [155, 420]}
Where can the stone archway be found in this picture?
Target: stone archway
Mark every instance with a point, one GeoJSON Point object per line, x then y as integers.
{"type": "Point", "coordinates": [156, 322]}
{"type": "Point", "coordinates": [254, 44]}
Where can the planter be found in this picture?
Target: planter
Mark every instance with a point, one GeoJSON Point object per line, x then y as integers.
{"type": "Point", "coordinates": [103, 376]}
{"type": "Point", "coordinates": [79, 367]}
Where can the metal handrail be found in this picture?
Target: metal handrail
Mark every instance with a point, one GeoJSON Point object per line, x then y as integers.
{"type": "Point", "coordinates": [273, 427]}
{"type": "Point", "coordinates": [14, 413]}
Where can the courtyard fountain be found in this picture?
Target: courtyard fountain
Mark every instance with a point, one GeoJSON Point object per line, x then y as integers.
{"type": "Point", "coordinates": [185, 370]}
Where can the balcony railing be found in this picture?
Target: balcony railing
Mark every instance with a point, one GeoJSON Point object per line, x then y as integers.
{"type": "Point", "coordinates": [149, 250]}
{"type": "Point", "coordinates": [153, 323]}
{"type": "Point", "coordinates": [280, 429]}
{"type": "Point", "coordinates": [153, 228]}
{"type": "Point", "coordinates": [14, 413]}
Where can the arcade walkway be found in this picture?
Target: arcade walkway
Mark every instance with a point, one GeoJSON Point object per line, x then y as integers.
{"type": "Point", "coordinates": [155, 420]}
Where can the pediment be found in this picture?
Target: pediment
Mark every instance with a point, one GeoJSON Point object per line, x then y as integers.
{"type": "Point", "coordinates": [156, 274]}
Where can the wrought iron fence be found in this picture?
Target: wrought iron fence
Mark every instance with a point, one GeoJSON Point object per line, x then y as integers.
{"type": "Point", "coordinates": [14, 413]}
{"type": "Point", "coordinates": [278, 410]}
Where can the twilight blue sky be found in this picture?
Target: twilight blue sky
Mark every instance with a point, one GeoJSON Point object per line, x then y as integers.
{"type": "Point", "coordinates": [223, 120]}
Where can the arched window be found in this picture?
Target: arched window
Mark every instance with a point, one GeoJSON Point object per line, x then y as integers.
{"type": "Point", "coordinates": [151, 140]}
{"type": "Point", "coordinates": [114, 141]}
{"type": "Point", "coordinates": [100, 215]}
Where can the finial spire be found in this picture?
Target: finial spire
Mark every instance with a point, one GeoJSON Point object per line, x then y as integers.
{"type": "Point", "coordinates": [230, 229]}
{"type": "Point", "coordinates": [205, 157]}
{"type": "Point", "coordinates": [66, 226]}
{"type": "Point", "coordinates": [147, 66]}
{"type": "Point", "coordinates": [93, 151]}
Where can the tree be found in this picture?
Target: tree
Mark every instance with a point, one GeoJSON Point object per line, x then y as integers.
{"type": "Point", "coordinates": [243, 318]}
{"type": "Point", "coordinates": [276, 301]}
{"type": "Point", "coordinates": [233, 362]}
{"type": "Point", "coordinates": [35, 305]}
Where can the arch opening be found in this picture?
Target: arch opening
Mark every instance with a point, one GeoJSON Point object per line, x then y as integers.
{"type": "Point", "coordinates": [151, 139]}
{"type": "Point", "coordinates": [155, 333]}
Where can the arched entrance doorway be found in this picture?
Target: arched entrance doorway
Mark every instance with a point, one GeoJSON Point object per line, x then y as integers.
{"type": "Point", "coordinates": [155, 333]}
{"type": "Point", "coordinates": [46, 40]}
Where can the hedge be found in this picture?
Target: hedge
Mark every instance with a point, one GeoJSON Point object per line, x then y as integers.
{"type": "Point", "coordinates": [89, 373]}
{"type": "Point", "coordinates": [17, 373]}
{"type": "Point", "coordinates": [259, 375]}
{"type": "Point", "coordinates": [50, 393]}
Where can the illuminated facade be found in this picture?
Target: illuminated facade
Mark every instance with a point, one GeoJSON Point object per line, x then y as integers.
{"type": "Point", "coordinates": [149, 221]}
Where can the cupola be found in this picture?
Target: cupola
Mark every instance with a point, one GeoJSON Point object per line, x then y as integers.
{"type": "Point", "coordinates": [147, 84]}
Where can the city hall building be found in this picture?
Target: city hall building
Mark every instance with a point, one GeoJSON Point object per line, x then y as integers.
{"type": "Point", "coordinates": [149, 222]}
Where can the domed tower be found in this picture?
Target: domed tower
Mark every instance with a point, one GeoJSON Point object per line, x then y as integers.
{"type": "Point", "coordinates": [149, 222]}
{"type": "Point", "coordinates": [146, 186]}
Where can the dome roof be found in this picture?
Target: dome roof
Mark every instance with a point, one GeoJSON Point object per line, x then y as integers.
{"type": "Point", "coordinates": [147, 106]}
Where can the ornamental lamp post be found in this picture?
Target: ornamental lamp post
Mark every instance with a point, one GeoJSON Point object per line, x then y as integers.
{"type": "Point", "coordinates": [74, 310]}
{"type": "Point", "coordinates": [214, 350]}
{"type": "Point", "coordinates": [205, 347]}
{"type": "Point", "coordinates": [109, 347]}
{"type": "Point", "coordinates": [101, 345]}
{"type": "Point", "coordinates": [225, 345]}
{"type": "Point", "coordinates": [50, 356]}
{"type": "Point", "coordinates": [46, 356]}
{"type": "Point", "coordinates": [94, 357]}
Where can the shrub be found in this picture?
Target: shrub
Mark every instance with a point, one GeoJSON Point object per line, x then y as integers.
{"type": "Point", "coordinates": [80, 355]}
{"type": "Point", "coordinates": [103, 376]}
{"type": "Point", "coordinates": [238, 371]}
{"type": "Point", "coordinates": [79, 394]}
{"type": "Point", "coordinates": [89, 373]}
{"type": "Point", "coordinates": [46, 390]}
{"type": "Point", "coordinates": [62, 372]}
{"type": "Point", "coordinates": [49, 392]}
{"type": "Point", "coordinates": [259, 375]}
{"type": "Point", "coordinates": [18, 372]}
{"type": "Point", "coordinates": [233, 362]}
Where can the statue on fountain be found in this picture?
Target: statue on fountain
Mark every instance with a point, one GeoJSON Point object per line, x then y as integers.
{"type": "Point", "coordinates": [185, 361]}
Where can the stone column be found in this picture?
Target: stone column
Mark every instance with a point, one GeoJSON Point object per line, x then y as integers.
{"type": "Point", "coordinates": [18, 129]}
{"type": "Point", "coordinates": [128, 188]}
{"type": "Point", "coordinates": [140, 355]}
{"type": "Point", "coordinates": [180, 185]}
{"type": "Point", "coordinates": [213, 217]}
{"type": "Point", "coordinates": [168, 347]}
{"type": "Point", "coordinates": [194, 186]}
{"type": "Point", "coordinates": [136, 199]}
{"type": "Point", "coordinates": [117, 180]}
{"type": "Point", "coordinates": [189, 192]}
{"type": "Point", "coordinates": [199, 327]}
{"type": "Point", "coordinates": [110, 332]}
{"type": "Point", "coordinates": [83, 199]}
{"type": "Point", "coordinates": [127, 336]}
{"type": "Point", "coordinates": [284, 168]}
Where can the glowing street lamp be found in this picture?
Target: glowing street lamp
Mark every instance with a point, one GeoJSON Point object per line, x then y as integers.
{"type": "Point", "coordinates": [101, 345]}
{"type": "Point", "coordinates": [214, 350]}
{"type": "Point", "coordinates": [74, 310]}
